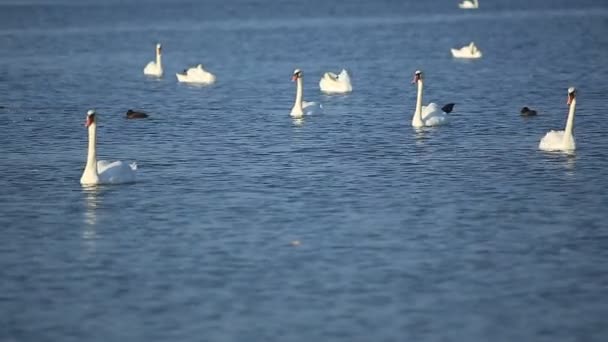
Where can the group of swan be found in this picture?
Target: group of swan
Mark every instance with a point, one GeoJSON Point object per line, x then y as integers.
{"type": "Point", "coordinates": [195, 74]}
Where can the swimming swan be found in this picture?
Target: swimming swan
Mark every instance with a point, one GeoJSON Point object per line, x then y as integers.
{"type": "Point", "coordinates": [562, 140]}
{"type": "Point", "coordinates": [103, 172]}
{"type": "Point", "coordinates": [155, 68]}
{"type": "Point", "coordinates": [336, 84]}
{"type": "Point", "coordinates": [300, 107]}
{"type": "Point", "coordinates": [430, 115]}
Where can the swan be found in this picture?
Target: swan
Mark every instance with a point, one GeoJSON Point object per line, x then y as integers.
{"type": "Point", "coordinates": [155, 68]}
{"type": "Point", "coordinates": [562, 140]}
{"type": "Point", "coordinates": [132, 114]}
{"type": "Point", "coordinates": [300, 107]}
{"type": "Point", "coordinates": [103, 172]}
{"type": "Point", "coordinates": [469, 51]}
{"type": "Point", "coordinates": [335, 84]}
{"type": "Point", "coordinates": [430, 115]}
{"type": "Point", "coordinates": [196, 75]}
{"type": "Point", "coordinates": [468, 4]}
{"type": "Point", "coordinates": [527, 112]}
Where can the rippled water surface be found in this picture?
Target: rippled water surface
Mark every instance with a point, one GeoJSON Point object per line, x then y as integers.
{"type": "Point", "coordinates": [465, 232]}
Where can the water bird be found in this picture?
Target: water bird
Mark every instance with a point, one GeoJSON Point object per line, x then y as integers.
{"type": "Point", "coordinates": [469, 51]}
{"type": "Point", "coordinates": [469, 4]}
{"type": "Point", "coordinates": [562, 140]}
{"type": "Point", "coordinates": [300, 107]}
{"type": "Point", "coordinates": [103, 172]}
{"type": "Point", "coordinates": [525, 111]}
{"type": "Point", "coordinates": [155, 68]}
{"type": "Point", "coordinates": [132, 114]}
{"type": "Point", "coordinates": [196, 75]}
{"type": "Point", "coordinates": [336, 84]}
{"type": "Point", "coordinates": [430, 115]}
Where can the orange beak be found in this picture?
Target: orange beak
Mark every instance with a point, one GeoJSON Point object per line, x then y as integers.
{"type": "Point", "coordinates": [293, 78]}
{"type": "Point", "coordinates": [89, 121]}
{"type": "Point", "coordinates": [570, 98]}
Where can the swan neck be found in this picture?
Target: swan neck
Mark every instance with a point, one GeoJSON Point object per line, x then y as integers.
{"type": "Point", "coordinates": [418, 112]}
{"type": "Point", "coordinates": [299, 91]}
{"type": "Point", "coordinates": [570, 121]}
{"type": "Point", "coordinates": [92, 152]}
{"type": "Point", "coordinates": [158, 59]}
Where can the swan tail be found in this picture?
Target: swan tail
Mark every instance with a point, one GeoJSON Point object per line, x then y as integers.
{"type": "Point", "coordinates": [448, 108]}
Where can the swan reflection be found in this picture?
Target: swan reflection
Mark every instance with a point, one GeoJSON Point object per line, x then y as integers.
{"type": "Point", "coordinates": [92, 204]}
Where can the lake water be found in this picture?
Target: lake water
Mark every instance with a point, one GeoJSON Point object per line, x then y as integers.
{"type": "Point", "coordinates": [465, 232]}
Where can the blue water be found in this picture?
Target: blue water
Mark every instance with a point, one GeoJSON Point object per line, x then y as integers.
{"type": "Point", "coordinates": [465, 232]}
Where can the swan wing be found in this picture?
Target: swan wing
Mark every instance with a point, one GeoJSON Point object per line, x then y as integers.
{"type": "Point", "coordinates": [432, 115]}
{"type": "Point", "coordinates": [556, 141]}
{"type": "Point", "coordinates": [311, 107]}
{"type": "Point", "coordinates": [116, 172]}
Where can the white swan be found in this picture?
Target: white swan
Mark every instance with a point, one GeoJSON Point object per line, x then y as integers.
{"type": "Point", "coordinates": [103, 172]}
{"type": "Point", "coordinates": [155, 68]}
{"type": "Point", "coordinates": [562, 140]}
{"type": "Point", "coordinates": [300, 107]}
{"type": "Point", "coordinates": [430, 115]}
{"type": "Point", "coordinates": [468, 4]}
{"type": "Point", "coordinates": [335, 84]}
{"type": "Point", "coordinates": [196, 75]}
{"type": "Point", "coordinates": [469, 51]}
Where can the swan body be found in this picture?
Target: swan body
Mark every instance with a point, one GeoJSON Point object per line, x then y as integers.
{"type": "Point", "coordinates": [301, 107]}
{"type": "Point", "coordinates": [562, 140]}
{"type": "Point", "coordinates": [469, 4]}
{"type": "Point", "coordinates": [470, 51]}
{"type": "Point", "coordinates": [196, 75]}
{"type": "Point", "coordinates": [155, 68]}
{"type": "Point", "coordinates": [100, 171]}
{"type": "Point", "coordinates": [335, 84]}
{"type": "Point", "coordinates": [431, 114]}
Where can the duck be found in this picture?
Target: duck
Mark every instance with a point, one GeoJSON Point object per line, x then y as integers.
{"type": "Point", "coordinates": [469, 51]}
{"type": "Point", "coordinates": [301, 107]}
{"type": "Point", "coordinates": [525, 111]}
{"type": "Point", "coordinates": [97, 172]}
{"type": "Point", "coordinates": [132, 114]}
{"type": "Point", "coordinates": [196, 75]}
{"type": "Point", "coordinates": [562, 141]}
{"type": "Point", "coordinates": [331, 83]}
{"type": "Point", "coordinates": [155, 68]}
{"type": "Point", "coordinates": [432, 114]}
{"type": "Point", "coordinates": [469, 4]}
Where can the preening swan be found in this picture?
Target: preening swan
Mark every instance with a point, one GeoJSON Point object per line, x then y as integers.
{"type": "Point", "coordinates": [469, 51]}
{"type": "Point", "coordinates": [155, 68]}
{"type": "Point", "coordinates": [335, 84]}
{"type": "Point", "coordinates": [468, 4]}
{"type": "Point", "coordinates": [103, 172]}
{"type": "Point", "coordinates": [430, 115]}
{"type": "Point", "coordinates": [196, 75]}
{"type": "Point", "coordinates": [300, 107]}
{"type": "Point", "coordinates": [562, 140]}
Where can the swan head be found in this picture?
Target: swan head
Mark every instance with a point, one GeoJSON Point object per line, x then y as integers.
{"type": "Point", "coordinates": [297, 74]}
{"type": "Point", "coordinates": [90, 118]}
{"type": "Point", "coordinates": [571, 95]}
{"type": "Point", "coordinates": [417, 76]}
{"type": "Point", "coordinates": [159, 48]}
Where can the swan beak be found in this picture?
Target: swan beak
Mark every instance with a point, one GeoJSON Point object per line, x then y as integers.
{"type": "Point", "coordinates": [294, 78]}
{"type": "Point", "coordinates": [416, 78]}
{"type": "Point", "coordinates": [89, 121]}
{"type": "Point", "coordinates": [570, 98]}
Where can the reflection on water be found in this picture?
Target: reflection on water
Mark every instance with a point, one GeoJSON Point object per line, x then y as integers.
{"type": "Point", "coordinates": [92, 204]}
{"type": "Point", "coordinates": [298, 121]}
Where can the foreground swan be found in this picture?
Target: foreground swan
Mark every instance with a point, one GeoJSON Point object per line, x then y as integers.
{"type": "Point", "coordinates": [430, 115]}
{"type": "Point", "coordinates": [155, 68]}
{"type": "Point", "coordinates": [468, 4]}
{"type": "Point", "coordinates": [562, 140]}
{"type": "Point", "coordinates": [196, 75]}
{"type": "Point", "coordinates": [335, 84]}
{"type": "Point", "coordinates": [300, 107]}
{"type": "Point", "coordinates": [469, 51]}
{"type": "Point", "coordinates": [103, 172]}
